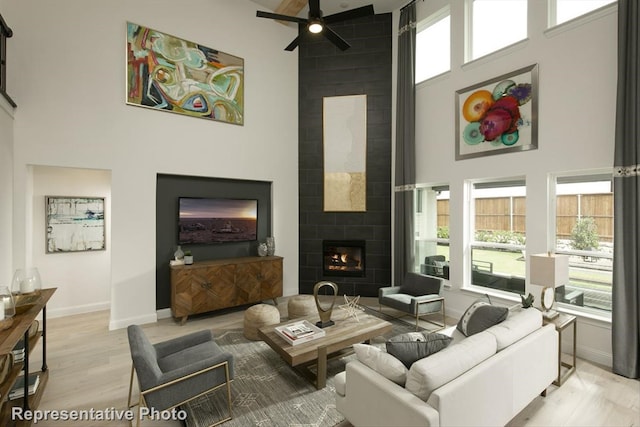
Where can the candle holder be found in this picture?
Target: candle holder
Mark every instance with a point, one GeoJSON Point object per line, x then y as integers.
{"type": "Point", "coordinates": [26, 288]}
{"type": "Point", "coordinates": [7, 307]}
{"type": "Point", "coordinates": [26, 281]}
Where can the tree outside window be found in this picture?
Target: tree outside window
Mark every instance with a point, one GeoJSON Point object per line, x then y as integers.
{"type": "Point", "coordinates": [584, 231]}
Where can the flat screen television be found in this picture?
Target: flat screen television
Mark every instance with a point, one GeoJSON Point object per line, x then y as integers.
{"type": "Point", "coordinates": [216, 220]}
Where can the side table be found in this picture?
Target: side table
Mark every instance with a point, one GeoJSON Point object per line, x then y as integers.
{"type": "Point", "coordinates": [562, 322]}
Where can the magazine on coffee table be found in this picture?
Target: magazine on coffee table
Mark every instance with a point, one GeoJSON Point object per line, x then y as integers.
{"type": "Point", "coordinates": [299, 332]}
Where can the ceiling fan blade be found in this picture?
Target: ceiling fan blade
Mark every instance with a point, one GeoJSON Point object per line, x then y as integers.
{"type": "Point", "coordinates": [359, 12]}
{"type": "Point", "coordinates": [335, 38]}
{"type": "Point", "coordinates": [261, 14]}
{"type": "Point", "coordinates": [314, 8]}
{"type": "Point", "coordinates": [291, 47]}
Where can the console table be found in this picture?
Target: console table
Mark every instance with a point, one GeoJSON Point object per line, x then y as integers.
{"type": "Point", "coordinates": [8, 340]}
{"type": "Point", "coordinates": [212, 285]}
{"type": "Point", "coordinates": [564, 321]}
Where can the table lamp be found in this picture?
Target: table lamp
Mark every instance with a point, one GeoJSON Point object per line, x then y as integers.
{"type": "Point", "coordinates": [549, 270]}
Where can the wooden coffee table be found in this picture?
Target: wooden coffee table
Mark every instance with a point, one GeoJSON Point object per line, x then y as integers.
{"type": "Point", "coordinates": [337, 342]}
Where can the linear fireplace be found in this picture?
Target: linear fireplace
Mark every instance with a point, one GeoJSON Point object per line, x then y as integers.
{"type": "Point", "coordinates": [343, 258]}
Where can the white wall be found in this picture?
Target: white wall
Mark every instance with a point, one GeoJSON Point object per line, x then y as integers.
{"type": "Point", "coordinates": [576, 113]}
{"type": "Point", "coordinates": [68, 77]}
{"type": "Point", "coordinates": [6, 181]}
{"type": "Point", "coordinates": [83, 279]}
{"type": "Point", "coordinates": [6, 191]}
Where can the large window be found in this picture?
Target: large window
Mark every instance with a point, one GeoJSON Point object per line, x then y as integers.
{"type": "Point", "coordinates": [433, 46]}
{"type": "Point", "coordinates": [495, 24]}
{"type": "Point", "coordinates": [498, 216]}
{"type": "Point", "coordinates": [584, 231]}
{"type": "Point", "coordinates": [565, 10]}
{"type": "Point", "coordinates": [431, 223]}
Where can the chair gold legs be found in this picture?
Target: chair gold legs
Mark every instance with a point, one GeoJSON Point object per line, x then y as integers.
{"type": "Point", "coordinates": [443, 324]}
{"type": "Point", "coordinates": [142, 402]}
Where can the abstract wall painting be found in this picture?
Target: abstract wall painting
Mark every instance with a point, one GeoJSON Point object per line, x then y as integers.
{"type": "Point", "coordinates": [74, 224]}
{"type": "Point", "coordinates": [345, 153]}
{"type": "Point", "coordinates": [167, 73]}
{"type": "Point", "coordinates": [499, 115]}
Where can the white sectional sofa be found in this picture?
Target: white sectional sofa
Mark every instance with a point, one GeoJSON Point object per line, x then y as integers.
{"type": "Point", "coordinates": [481, 380]}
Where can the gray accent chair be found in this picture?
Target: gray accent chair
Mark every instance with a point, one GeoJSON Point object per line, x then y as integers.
{"type": "Point", "coordinates": [176, 371]}
{"type": "Point", "coordinates": [419, 295]}
{"type": "Point", "coordinates": [434, 265]}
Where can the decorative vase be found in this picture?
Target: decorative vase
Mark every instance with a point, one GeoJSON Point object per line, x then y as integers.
{"type": "Point", "coordinates": [262, 249]}
{"type": "Point", "coordinates": [26, 281]}
{"type": "Point", "coordinates": [7, 304]}
{"type": "Point", "coordinates": [325, 313]}
{"type": "Point", "coordinates": [178, 254]}
{"type": "Point", "coordinates": [271, 246]}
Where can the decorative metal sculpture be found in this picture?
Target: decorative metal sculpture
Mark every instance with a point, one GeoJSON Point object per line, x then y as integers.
{"type": "Point", "coordinates": [351, 307]}
{"type": "Point", "coordinates": [325, 314]}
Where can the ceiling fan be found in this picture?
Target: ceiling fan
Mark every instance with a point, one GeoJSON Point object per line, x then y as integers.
{"type": "Point", "coordinates": [316, 23]}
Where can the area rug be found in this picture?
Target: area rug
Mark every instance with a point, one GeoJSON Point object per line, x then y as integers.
{"type": "Point", "coordinates": [268, 392]}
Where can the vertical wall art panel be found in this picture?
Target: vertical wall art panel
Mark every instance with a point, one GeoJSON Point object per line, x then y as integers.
{"type": "Point", "coordinates": [345, 153]}
{"type": "Point", "coordinates": [171, 74]}
{"type": "Point", "coordinates": [75, 224]}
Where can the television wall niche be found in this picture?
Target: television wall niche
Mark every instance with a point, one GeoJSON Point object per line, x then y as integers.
{"type": "Point", "coordinates": [324, 70]}
{"type": "Point", "coordinates": [169, 188]}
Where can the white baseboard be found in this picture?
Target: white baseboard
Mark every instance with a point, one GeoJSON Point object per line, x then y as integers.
{"type": "Point", "coordinates": [163, 313]}
{"type": "Point", "coordinates": [79, 309]}
{"type": "Point", "coordinates": [595, 356]}
{"type": "Point", "coordinates": [138, 320]}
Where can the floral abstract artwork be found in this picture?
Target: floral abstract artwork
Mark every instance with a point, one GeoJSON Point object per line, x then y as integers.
{"type": "Point", "coordinates": [167, 73]}
{"type": "Point", "coordinates": [498, 116]}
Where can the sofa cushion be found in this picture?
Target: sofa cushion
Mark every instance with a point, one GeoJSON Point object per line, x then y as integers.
{"type": "Point", "coordinates": [414, 346]}
{"type": "Point", "coordinates": [519, 323]}
{"type": "Point", "coordinates": [415, 284]}
{"type": "Point", "coordinates": [481, 315]}
{"type": "Point", "coordinates": [381, 362]}
{"type": "Point", "coordinates": [428, 374]}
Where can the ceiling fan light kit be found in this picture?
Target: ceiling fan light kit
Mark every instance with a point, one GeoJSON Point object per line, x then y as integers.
{"type": "Point", "coordinates": [315, 26]}
{"type": "Point", "coordinates": [316, 23]}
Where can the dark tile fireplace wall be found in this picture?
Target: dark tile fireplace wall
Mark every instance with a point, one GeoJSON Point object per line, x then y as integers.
{"type": "Point", "coordinates": [365, 68]}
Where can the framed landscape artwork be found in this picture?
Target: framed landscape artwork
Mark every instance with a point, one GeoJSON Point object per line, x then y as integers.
{"type": "Point", "coordinates": [74, 224]}
{"type": "Point", "coordinates": [344, 127]}
{"type": "Point", "coordinates": [168, 73]}
{"type": "Point", "coordinates": [499, 115]}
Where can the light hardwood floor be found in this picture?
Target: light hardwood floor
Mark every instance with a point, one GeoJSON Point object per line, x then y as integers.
{"type": "Point", "coordinates": [90, 367]}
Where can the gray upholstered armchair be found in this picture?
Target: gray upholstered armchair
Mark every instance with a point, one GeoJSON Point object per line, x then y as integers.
{"type": "Point", "coordinates": [174, 372]}
{"type": "Point", "coordinates": [418, 295]}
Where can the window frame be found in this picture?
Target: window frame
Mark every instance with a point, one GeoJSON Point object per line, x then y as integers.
{"type": "Point", "coordinates": [552, 237]}
{"type": "Point", "coordinates": [418, 256]}
{"type": "Point", "coordinates": [468, 35]}
{"type": "Point", "coordinates": [552, 14]}
{"type": "Point", "coordinates": [424, 24]}
{"type": "Point", "coordinates": [471, 243]}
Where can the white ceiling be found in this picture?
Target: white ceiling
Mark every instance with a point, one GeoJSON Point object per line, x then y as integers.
{"type": "Point", "coordinates": [329, 7]}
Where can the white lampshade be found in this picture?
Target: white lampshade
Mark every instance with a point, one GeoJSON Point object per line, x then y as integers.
{"type": "Point", "coordinates": [551, 270]}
